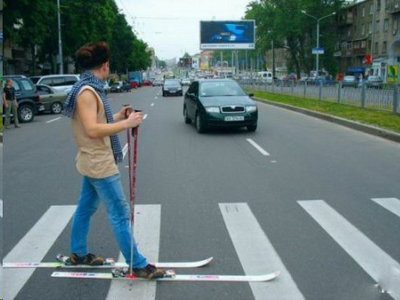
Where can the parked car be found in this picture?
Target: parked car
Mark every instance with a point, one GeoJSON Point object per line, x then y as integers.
{"type": "Point", "coordinates": [287, 80]}
{"type": "Point", "coordinates": [61, 83]}
{"type": "Point", "coordinates": [219, 103]}
{"type": "Point", "coordinates": [185, 81]}
{"type": "Point", "coordinates": [28, 99]}
{"type": "Point", "coordinates": [52, 100]}
{"type": "Point", "coordinates": [350, 80]}
{"type": "Point", "coordinates": [172, 87]}
{"type": "Point", "coordinates": [147, 82]}
{"type": "Point", "coordinates": [120, 86]}
{"type": "Point", "coordinates": [157, 82]}
{"type": "Point", "coordinates": [134, 84]}
{"type": "Point", "coordinates": [107, 87]}
{"type": "Point", "coordinates": [324, 80]}
{"type": "Point", "coordinates": [374, 82]}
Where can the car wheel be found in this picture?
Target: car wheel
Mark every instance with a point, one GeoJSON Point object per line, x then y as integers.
{"type": "Point", "coordinates": [56, 108]}
{"type": "Point", "coordinates": [26, 113]}
{"type": "Point", "coordinates": [186, 117]}
{"type": "Point", "coordinates": [252, 128]}
{"type": "Point", "coordinates": [163, 94]}
{"type": "Point", "coordinates": [200, 126]}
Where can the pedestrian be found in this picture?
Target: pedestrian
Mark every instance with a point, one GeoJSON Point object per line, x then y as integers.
{"type": "Point", "coordinates": [95, 131]}
{"type": "Point", "coordinates": [10, 104]}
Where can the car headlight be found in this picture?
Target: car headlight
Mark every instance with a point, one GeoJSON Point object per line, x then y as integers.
{"type": "Point", "coordinates": [251, 108]}
{"type": "Point", "coordinates": [212, 109]}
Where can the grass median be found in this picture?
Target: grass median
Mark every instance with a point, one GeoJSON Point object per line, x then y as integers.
{"type": "Point", "coordinates": [382, 119]}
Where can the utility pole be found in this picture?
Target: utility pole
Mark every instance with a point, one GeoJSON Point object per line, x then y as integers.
{"type": "Point", "coordinates": [60, 54]}
{"type": "Point", "coordinates": [317, 19]}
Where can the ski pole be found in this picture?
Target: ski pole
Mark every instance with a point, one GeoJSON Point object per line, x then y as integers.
{"type": "Point", "coordinates": [132, 180]}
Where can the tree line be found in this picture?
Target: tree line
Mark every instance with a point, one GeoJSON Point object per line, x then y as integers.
{"type": "Point", "coordinates": [33, 25]}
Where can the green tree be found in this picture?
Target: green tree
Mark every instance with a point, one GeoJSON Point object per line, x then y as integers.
{"type": "Point", "coordinates": [283, 21]}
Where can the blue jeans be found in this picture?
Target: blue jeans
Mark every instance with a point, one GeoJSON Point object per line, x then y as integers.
{"type": "Point", "coordinates": [110, 191]}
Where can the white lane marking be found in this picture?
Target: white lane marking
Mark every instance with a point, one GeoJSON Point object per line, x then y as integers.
{"type": "Point", "coordinates": [376, 262]}
{"type": "Point", "coordinates": [147, 235]}
{"type": "Point", "coordinates": [53, 120]}
{"type": "Point", "coordinates": [256, 253]}
{"type": "Point", "coordinates": [124, 151]}
{"type": "Point", "coordinates": [145, 117]}
{"type": "Point", "coordinates": [1, 211]}
{"type": "Point", "coordinates": [391, 204]}
{"type": "Point", "coordinates": [34, 246]}
{"type": "Point", "coordinates": [152, 103]}
{"type": "Point", "coordinates": [258, 147]}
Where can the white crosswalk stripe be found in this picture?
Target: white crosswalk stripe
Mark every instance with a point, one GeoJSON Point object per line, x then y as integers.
{"type": "Point", "coordinates": [34, 246]}
{"type": "Point", "coordinates": [1, 208]}
{"type": "Point", "coordinates": [240, 221]}
{"type": "Point", "coordinates": [377, 263]}
{"type": "Point", "coordinates": [391, 204]}
{"type": "Point", "coordinates": [147, 234]}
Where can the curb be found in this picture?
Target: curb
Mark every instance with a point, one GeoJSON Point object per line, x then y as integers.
{"type": "Point", "coordinates": [387, 134]}
{"type": "Point", "coordinates": [1, 137]}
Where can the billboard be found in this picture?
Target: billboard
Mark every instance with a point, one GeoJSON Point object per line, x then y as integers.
{"type": "Point", "coordinates": [227, 35]}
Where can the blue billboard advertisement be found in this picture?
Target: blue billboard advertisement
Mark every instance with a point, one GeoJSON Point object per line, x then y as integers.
{"type": "Point", "coordinates": [227, 35]}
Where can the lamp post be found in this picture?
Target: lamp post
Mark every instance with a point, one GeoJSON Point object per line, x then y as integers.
{"type": "Point", "coordinates": [60, 54]}
{"type": "Point", "coordinates": [317, 19]}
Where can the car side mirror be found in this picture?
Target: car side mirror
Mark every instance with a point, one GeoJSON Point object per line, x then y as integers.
{"type": "Point", "coordinates": [251, 95]}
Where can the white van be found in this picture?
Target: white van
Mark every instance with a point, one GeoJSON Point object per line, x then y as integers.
{"type": "Point", "coordinates": [266, 77]}
{"type": "Point", "coordinates": [61, 83]}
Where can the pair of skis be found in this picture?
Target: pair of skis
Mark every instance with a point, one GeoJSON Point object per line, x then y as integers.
{"type": "Point", "coordinates": [170, 276]}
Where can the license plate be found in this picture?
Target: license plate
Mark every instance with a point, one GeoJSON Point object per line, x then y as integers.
{"type": "Point", "coordinates": [234, 118]}
{"type": "Point", "coordinates": [172, 92]}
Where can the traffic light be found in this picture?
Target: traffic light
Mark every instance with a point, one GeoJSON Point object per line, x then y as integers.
{"type": "Point", "coordinates": [368, 59]}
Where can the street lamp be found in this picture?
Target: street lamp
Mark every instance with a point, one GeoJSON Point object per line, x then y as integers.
{"type": "Point", "coordinates": [60, 54]}
{"type": "Point", "coordinates": [317, 19]}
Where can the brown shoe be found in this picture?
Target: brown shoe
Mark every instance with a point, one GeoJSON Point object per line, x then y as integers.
{"type": "Point", "coordinates": [89, 259]}
{"type": "Point", "coordinates": [148, 272]}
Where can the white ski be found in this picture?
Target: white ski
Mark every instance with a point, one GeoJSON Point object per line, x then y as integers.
{"type": "Point", "coordinates": [222, 278]}
{"type": "Point", "coordinates": [110, 265]}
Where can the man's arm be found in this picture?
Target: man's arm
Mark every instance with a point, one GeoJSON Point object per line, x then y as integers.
{"type": "Point", "coordinates": [86, 107]}
{"type": "Point", "coordinates": [4, 100]}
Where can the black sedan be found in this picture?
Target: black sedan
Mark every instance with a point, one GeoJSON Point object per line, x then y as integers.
{"type": "Point", "coordinates": [172, 87]}
{"type": "Point", "coordinates": [120, 86]}
{"type": "Point", "coordinates": [219, 103]}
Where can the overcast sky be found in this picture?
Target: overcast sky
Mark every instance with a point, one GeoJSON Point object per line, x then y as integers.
{"type": "Point", "coordinates": [171, 27]}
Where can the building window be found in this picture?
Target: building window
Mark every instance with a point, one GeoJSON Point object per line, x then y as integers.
{"type": "Point", "coordinates": [370, 28]}
{"type": "Point", "coordinates": [386, 25]}
{"type": "Point", "coordinates": [348, 45]}
{"type": "Point", "coordinates": [349, 32]}
{"type": "Point", "coordinates": [395, 24]}
{"type": "Point", "coordinates": [378, 5]}
{"type": "Point", "coordinates": [363, 11]}
{"type": "Point", "coordinates": [363, 44]}
{"type": "Point", "coordinates": [384, 47]}
{"type": "Point", "coordinates": [376, 47]}
{"type": "Point", "coordinates": [362, 29]}
{"type": "Point", "coordinates": [386, 4]}
{"type": "Point", "coordinates": [377, 26]}
{"type": "Point", "coordinates": [371, 9]}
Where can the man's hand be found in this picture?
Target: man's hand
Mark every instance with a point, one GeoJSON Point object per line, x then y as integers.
{"type": "Point", "coordinates": [134, 119]}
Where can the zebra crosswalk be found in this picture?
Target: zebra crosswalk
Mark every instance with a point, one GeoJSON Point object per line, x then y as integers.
{"type": "Point", "coordinates": [254, 249]}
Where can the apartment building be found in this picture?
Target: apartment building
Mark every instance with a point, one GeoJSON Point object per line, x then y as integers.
{"type": "Point", "coordinates": [369, 39]}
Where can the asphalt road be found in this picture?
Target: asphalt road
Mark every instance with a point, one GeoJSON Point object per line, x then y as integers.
{"type": "Point", "coordinates": [253, 209]}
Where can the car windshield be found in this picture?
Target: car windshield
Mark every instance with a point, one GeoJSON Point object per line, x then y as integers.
{"type": "Point", "coordinates": [221, 88]}
{"type": "Point", "coordinates": [172, 84]}
{"type": "Point", "coordinates": [349, 78]}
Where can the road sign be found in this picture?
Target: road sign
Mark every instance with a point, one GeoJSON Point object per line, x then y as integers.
{"type": "Point", "coordinates": [317, 50]}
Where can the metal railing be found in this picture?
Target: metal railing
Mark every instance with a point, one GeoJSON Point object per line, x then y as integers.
{"type": "Point", "coordinates": [384, 97]}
